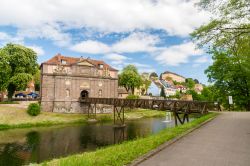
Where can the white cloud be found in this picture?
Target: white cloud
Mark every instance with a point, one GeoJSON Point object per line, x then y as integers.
{"type": "Point", "coordinates": [137, 42]}
{"type": "Point", "coordinates": [178, 17]}
{"type": "Point", "coordinates": [48, 31]}
{"type": "Point", "coordinates": [116, 59]}
{"type": "Point", "coordinates": [92, 47]}
{"type": "Point", "coordinates": [202, 59]}
{"type": "Point", "coordinates": [39, 50]}
{"type": "Point", "coordinates": [177, 54]}
{"type": "Point", "coordinates": [6, 38]}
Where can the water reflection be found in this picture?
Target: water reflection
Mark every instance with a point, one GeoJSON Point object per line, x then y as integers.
{"type": "Point", "coordinates": [22, 146]}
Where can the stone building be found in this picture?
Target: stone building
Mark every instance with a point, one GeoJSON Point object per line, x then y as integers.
{"type": "Point", "coordinates": [65, 79]}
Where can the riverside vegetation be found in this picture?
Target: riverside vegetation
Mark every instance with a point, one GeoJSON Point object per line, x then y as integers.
{"type": "Point", "coordinates": [126, 152]}
{"type": "Point", "coordinates": [15, 117]}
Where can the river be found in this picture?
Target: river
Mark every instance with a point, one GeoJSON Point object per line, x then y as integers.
{"type": "Point", "coordinates": [34, 145]}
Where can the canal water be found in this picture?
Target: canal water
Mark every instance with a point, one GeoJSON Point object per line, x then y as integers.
{"type": "Point", "coordinates": [24, 146]}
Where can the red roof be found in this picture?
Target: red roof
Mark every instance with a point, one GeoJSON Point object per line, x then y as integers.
{"type": "Point", "coordinates": [57, 60]}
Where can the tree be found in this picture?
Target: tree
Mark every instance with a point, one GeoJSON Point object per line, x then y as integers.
{"type": "Point", "coordinates": [153, 75]}
{"type": "Point", "coordinates": [21, 66]}
{"type": "Point", "coordinates": [230, 77]}
{"type": "Point", "coordinates": [4, 73]}
{"type": "Point", "coordinates": [227, 39]}
{"type": "Point", "coordinates": [230, 21]}
{"type": "Point", "coordinates": [163, 94]}
{"type": "Point", "coordinates": [130, 78]}
{"type": "Point", "coordinates": [36, 79]}
{"type": "Point", "coordinates": [190, 83]}
{"type": "Point", "coordinates": [194, 94]}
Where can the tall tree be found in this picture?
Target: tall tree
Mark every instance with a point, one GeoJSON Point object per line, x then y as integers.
{"type": "Point", "coordinates": [21, 66]}
{"type": "Point", "coordinates": [4, 73]}
{"type": "Point", "coordinates": [230, 20]}
{"type": "Point", "coordinates": [190, 83]}
{"type": "Point", "coordinates": [162, 93]}
{"type": "Point", "coordinates": [130, 78]}
{"type": "Point", "coordinates": [227, 38]}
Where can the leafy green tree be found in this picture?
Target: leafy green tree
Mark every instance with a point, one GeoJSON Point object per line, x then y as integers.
{"type": "Point", "coordinates": [194, 94]}
{"type": "Point", "coordinates": [227, 38]}
{"type": "Point", "coordinates": [146, 82]}
{"type": "Point", "coordinates": [190, 83]}
{"type": "Point", "coordinates": [4, 73]}
{"type": "Point", "coordinates": [21, 66]}
{"type": "Point", "coordinates": [130, 78]}
{"type": "Point", "coordinates": [36, 78]}
{"type": "Point", "coordinates": [230, 21]}
{"type": "Point", "coordinates": [162, 93]}
{"type": "Point", "coordinates": [231, 78]}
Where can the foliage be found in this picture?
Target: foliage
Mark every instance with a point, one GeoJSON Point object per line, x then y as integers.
{"type": "Point", "coordinates": [34, 109]}
{"type": "Point", "coordinates": [36, 79]}
{"type": "Point", "coordinates": [126, 152]}
{"type": "Point", "coordinates": [20, 64]}
{"type": "Point", "coordinates": [131, 96]}
{"type": "Point", "coordinates": [230, 21]}
{"type": "Point", "coordinates": [227, 38]}
{"type": "Point", "coordinates": [153, 75]}
{"type": "Point", "coordinates": [146, 84]}
{"type": "Point", "coordinates": [162, 93]}
{"type": "Point", "coordinates": [194, 94]}
{"type": "Point", "coordinates": [231, 78]}
{"type": "Point", "coordinates": [190, 83]}
{"type": "Point", "coordinates": [5, 70]}
{"type": "Point", "coordinates": [130, 78]}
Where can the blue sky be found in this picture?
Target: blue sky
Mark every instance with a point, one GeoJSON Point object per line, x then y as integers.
{"type": "Point", "coordinates": [151, 34]}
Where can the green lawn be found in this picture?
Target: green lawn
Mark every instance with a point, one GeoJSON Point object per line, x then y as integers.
{"type": "Point", "coordinates": [16, 117]}
{"type": "Point", "coordinates": [125, 153]}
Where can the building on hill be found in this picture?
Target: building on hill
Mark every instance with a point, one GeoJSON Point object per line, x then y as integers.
{"type": "Point", "coordinates": [198, 88]}
{"type": "Point", "coordinates": [65, 79]}
{"type": "Point", "coordinates": [173, 76]}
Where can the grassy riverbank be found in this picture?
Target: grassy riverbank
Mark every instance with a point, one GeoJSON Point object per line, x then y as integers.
{"type": "Point", "coordinates": [16, 117]}
{"type": "Point", "coordinates": [125, 153]}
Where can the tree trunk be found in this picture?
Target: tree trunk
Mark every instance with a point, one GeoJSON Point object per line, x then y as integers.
{"type": "Point", "coordinates": [11, 91]}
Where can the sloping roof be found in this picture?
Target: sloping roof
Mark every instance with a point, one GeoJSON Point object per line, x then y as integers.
{"type": "Point", "coordinates": [56, 60]}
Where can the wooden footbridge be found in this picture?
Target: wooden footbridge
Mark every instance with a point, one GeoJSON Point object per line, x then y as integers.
{"type": "Point", "coordinates": [178, 107]}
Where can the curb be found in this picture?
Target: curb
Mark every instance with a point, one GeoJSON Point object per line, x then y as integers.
{"type": "Point", "coordinates": [166, 144]}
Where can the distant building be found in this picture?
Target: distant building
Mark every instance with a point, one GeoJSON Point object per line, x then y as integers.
{"type": "Point", "coordinates": [198, 88]}
{"type": "Point", "coordinates": [174, 76]}
{"type": "Point", "coordinates": [65, 79]}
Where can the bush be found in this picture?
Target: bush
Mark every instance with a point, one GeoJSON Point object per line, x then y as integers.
{"type": "Point", "coordinates": [132, 96]}
{"type": "Point", "coordinates": [34, 109]}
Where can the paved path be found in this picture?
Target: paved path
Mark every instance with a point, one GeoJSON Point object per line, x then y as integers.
{"type": "Point", "coordinates": [225, 141]}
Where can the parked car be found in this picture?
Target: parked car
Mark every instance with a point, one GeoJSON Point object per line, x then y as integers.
{"type": "Point", "coordinates": [33, 95]}
{"type": "Point", "coordinates": [20, 95]}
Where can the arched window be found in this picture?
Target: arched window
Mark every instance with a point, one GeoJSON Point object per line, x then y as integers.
{"type": "Point", "coordinates": [84, 94]}
{"type": "Point", "coordinates": [67, 93]}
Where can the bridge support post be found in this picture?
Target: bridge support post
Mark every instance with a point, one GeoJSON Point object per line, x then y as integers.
{"type": "Point", "coordinates": [92, 111]}
{"type": "Point", "coordinates": [119, 116]}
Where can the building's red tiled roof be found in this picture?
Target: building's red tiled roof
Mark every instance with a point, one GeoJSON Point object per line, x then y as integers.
{"type": "Point", "coordinates": [56, 60]}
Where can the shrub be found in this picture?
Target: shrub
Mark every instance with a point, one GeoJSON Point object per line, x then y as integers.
{"type": "Point", "coordinates": [34, 109]}
{"type": "Point", "coordinates": [132, 96]}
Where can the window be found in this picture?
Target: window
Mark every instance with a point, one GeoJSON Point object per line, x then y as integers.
{"type": "Point", "coordinates": [100, 93]}
{"type": "Point", "coordinates": [67, 93]}
{"type": "Point", "coordinates": [63, 62]}
{"type": "Point", "coordinates": [100, 66]}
